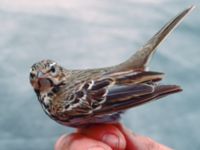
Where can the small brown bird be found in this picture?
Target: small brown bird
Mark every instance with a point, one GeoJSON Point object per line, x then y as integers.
{"type": "Point", "coordinates": [81, 97]}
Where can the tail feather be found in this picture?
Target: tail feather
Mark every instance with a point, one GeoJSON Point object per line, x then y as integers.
{"type": "Point", "coordinates": [142, 57]}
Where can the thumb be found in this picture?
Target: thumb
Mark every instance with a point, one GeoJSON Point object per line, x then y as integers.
{"type": "Point", "coordinates": [106, 133]}
{"type": "Point", "coordinates": [76, 141]}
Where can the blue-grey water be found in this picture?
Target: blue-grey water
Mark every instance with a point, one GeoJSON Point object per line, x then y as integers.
{"type": "Point", "coordinates": [97, 33]}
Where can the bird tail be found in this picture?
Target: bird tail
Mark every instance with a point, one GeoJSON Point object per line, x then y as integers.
{"type": "Point", "coordinates": [143, 56]}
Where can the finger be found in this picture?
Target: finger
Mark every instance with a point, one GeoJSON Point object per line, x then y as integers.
{"type": "Point", "coordinates": [137, 142]}
{"type": "Point", "coordinates": [77, 141]}
{"type": "Point", "coordinates": [150, 144]}
{"type": "Point", "coordinates": [106, 133]}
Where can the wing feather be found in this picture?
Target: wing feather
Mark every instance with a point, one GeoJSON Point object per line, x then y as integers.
{"type": "Point", "coordinates": [111, 94]}
{"type": "Point", "coordinates": [118, 106]}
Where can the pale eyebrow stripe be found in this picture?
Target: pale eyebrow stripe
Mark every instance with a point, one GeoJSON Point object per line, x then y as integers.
{"type": "Point", "coordinates": [52, 64]}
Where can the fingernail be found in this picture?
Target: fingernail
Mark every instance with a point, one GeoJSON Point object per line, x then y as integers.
{"type": "Point", "coordinates": [96, 148]}
{"type": "Point", "coordinates": [112, 140]}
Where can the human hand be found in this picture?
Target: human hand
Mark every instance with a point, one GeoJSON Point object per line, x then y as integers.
{"type": "Point", "coordinates": [106, 137]}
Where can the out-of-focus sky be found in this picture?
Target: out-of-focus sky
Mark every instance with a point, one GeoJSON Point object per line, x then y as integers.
{"type": "Point", "coordinates": [94, 33]}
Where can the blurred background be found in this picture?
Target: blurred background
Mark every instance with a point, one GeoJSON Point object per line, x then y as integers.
{"type": "Point", "coordinates": [96, 33]}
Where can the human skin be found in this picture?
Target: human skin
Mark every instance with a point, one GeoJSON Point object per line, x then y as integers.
{"type": "Point", "coordinates": [106, 137]}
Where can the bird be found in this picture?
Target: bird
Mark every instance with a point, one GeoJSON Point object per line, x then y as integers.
{"type": "Point", "coordinates": [78, 98]}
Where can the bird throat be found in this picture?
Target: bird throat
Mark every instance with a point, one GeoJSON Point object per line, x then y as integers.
{"type": "Point", "coordinates": [46, 97]}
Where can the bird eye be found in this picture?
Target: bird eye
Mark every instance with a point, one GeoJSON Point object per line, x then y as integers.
{"type": "Point", "coordinates": [32, 76]}
{"type": "Point", "coordinates": [53, 71]}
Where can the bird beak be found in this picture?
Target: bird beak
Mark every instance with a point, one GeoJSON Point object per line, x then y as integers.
{"type": "Point", "coordinates": [40, 74]}
{"type": "Point", "coordinates": [42, 82]}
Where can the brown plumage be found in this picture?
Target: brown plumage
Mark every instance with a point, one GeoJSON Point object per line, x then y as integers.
{"type": "Point", "coordinates": [80, 97]}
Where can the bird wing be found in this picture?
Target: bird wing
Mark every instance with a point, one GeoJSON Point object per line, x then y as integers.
{"type": "Point", "coordinates": [117, 92]}
{"type": "Point", "coordinates": [88, 96]}
{"type": "Point", "coordinates": [134, 89]}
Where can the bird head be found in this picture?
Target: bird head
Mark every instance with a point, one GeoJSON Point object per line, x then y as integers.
{"type": "Point", "coordinates": [45, 75]}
